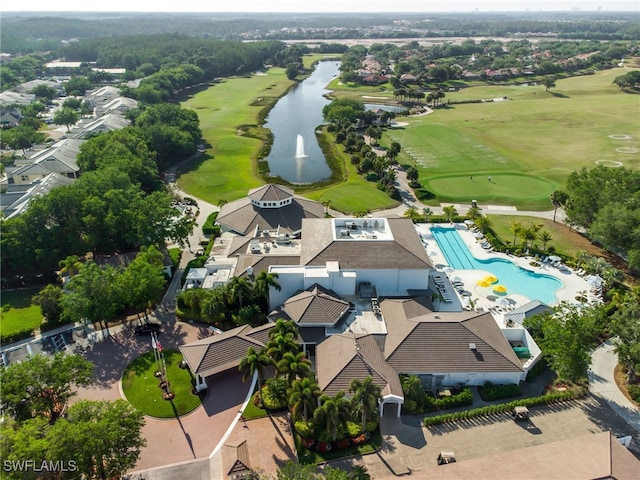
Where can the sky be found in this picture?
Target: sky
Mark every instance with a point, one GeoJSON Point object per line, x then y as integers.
{"type": "Point", "coordinates": [319, 5]}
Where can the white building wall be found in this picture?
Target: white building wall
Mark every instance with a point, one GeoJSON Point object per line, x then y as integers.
{"type": "Point", "coordinates": [388, 282]}
{"type": "Point", "coordinates": [479, 379]}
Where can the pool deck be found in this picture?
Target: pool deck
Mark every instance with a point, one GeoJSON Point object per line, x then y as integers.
{"type": "Point", "coordinates": [573, 284]}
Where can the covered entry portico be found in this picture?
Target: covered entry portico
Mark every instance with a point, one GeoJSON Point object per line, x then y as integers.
{"type": "Point", "coordinates": [220, 352]}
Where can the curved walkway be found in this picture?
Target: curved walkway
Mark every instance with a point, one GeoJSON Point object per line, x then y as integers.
{"type": "Point", "coordinates": [603, 384]}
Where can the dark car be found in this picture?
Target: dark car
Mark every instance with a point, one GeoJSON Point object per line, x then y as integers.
{"type": "Point", "coordinates": [147, 329]}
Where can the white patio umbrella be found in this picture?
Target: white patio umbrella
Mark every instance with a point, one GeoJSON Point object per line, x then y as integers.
{"type": "Point", "coordinates": [469, 222]}
{"type": "Point", "coordinates": [448, 270]}
{"type": "Point", "coordinates": [554, 258]}
{"type": "Point", "coordinates": [594, 280]}
{"type": "Point", "coordinates": [478, 235]}
{"type": "Point", "coordinates": [503, 302]}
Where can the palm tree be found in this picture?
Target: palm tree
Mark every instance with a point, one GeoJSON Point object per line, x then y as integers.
{"type": "Point", "coordinates": [212, 305]}
{"type": "Point", "coordinates": [581, 258]}
{"type": "Point", "coordinates": [280, 344]}
{"type": "Point", "coordinates": [483, 223]}
{"type": "Point", "coordinates": [365, 398]}
{"type": "Point", "coordinates": [450, 212]}
{"type": "Point", "coordinates": [545, 237]}
{"type": "Point", "coordinates": [303, 395]}
{"type": "Point", "coordinates": [255, 361]}
{"type": "Point", "coordinates": [427, 212]}
{"type": "Point", "coordinates": [283, 327]}
{"type": "Point", "coordinates": [294, 366]}
{"type": "Point", "coordinates": [528, 236]}
{"type": "Point", "coordinates": [358, 472]}
{"type": "Point", "coordinates": [237, 289]}
{"type": "Point", "coordinates": [516, 228]}
{"type": "Point", "coordinates": [333, 413]}
{"type": "Point", "coordinates": [412, 213]}
{"type": "Point", "coordinates": [263, 282]}
{"type": "Point", "coordinates": [473, 213]}
{"type": "Point", "coordinates": [69, 266]}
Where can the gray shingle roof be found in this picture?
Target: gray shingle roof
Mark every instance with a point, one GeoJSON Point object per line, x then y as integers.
{"type": "Point", "coordinates": [439, 342]}
{"type": "Point", "coordinates": [341, 358]}
{"type": "Point", "coordinates": [405, 251]}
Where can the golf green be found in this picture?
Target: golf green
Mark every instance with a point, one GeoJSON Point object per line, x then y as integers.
{"type": "Point", "coordinates": [499, 188]}
{"type": "Point", "coordinates": [141, 386]}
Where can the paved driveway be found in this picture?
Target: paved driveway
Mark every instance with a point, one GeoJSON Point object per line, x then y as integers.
{"type": "Point", "coordinates": [168, 440]}
{"type": "Point", "coordinates": [409, 447]}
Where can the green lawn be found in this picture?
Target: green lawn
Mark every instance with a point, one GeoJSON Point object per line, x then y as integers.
{"type": "Point", "coordinates": [227, 170]}
{"type": "Point", "coordinates": [141, 389]}
{"type": "Point", "coordinates": [355, 194]}
{"type": "Point", "coordinates": [18, 317]}
{"type": "Point", "coordinates": [528, 144]}
{"type": "Point", "coordinates": [540, 136]}
{"type": "Point", "coordinates": [560, 241]}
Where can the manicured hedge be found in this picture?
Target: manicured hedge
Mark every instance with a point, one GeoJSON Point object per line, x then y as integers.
{"type": "Point", "coordinates": [490, 392]}
{"type": "Point", "coordinates": [503, 407]}
{"type": "Point", "coordinates": [210, 227]}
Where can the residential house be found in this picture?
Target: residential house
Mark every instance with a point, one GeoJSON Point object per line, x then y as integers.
{"type": "Point", "coordinates": [60, 158]}
{"type": "Point", "coordinates": [10, 99]}
{"type": "Point", "coordinates": [94, 126]}
{"type": "Point", "coordinates": [119, 105]}
{"type": "Point", "coordinates": [15, 198]}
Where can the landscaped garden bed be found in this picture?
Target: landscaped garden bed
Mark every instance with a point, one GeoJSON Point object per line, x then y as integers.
{"type": "Point", "coordinates": [490, 392]}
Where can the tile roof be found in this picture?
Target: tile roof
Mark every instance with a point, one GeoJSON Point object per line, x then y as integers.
{"type": "Point", "coordinates": [218, 353]}
{"type": "Point", "coordinates": [405, 251]}
{"type": "Point", "coordinates": [343, 357]}
{"type": "Point", "coordinates": [270, 193]}
{"type": "Point", "coordinates": [243, 217]}
{"type": "Point", "coordinates": [315, 306]}
{"type": "Point", "coordinates": [235, 459]}
{"type": "Point", "coordinates": [261, 263]}
{"type": "Point", "coordinates": [440, 342]}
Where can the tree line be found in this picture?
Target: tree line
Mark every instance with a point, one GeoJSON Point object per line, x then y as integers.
{"type": "Point", "coordinates": [45, 32]}
{"type": "Point", "coordinates": [92, 439]}
{"type": "Point", "coordinates": [118, 204]}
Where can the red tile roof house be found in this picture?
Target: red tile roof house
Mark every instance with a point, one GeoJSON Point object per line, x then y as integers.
{"type": "Point", "coordinates": [332, 294]}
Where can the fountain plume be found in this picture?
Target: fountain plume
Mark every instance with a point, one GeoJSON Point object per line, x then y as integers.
{"type": "Point", "coordinates": [300, 147]}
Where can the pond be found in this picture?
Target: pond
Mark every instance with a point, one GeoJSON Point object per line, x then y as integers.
{"type": "Point", "coordinates": [295, 154]}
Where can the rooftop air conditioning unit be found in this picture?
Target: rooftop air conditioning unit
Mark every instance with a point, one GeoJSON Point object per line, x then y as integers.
{"type": "Point", "coordinates": [472, 346]}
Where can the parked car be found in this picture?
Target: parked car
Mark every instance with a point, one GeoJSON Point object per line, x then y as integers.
{"type": "Point", "coordinates": [147, 329]}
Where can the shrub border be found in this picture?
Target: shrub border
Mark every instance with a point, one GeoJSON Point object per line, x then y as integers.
{"type": "Point", "coordinates": [547, 399]}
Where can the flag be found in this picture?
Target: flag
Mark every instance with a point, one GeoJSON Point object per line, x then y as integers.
{"type": "Point", "coordinates": [153, 342]}
{"type": "Point", "coordinates": [159, 347]}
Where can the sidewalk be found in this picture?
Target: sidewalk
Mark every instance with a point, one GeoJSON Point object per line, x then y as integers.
{"type": "Point", "coordinates": [603, 384]}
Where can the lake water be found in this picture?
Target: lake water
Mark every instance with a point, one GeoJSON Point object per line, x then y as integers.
{"type": "Point", "coordinates": [300, 113]}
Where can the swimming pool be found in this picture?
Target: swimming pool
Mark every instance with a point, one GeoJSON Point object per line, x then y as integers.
{"type": "Point", "coordinates": [517, 280]}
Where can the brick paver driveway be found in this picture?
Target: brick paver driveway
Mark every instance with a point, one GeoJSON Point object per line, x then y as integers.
{"type": "Point", "coordinates": [168, 440]}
